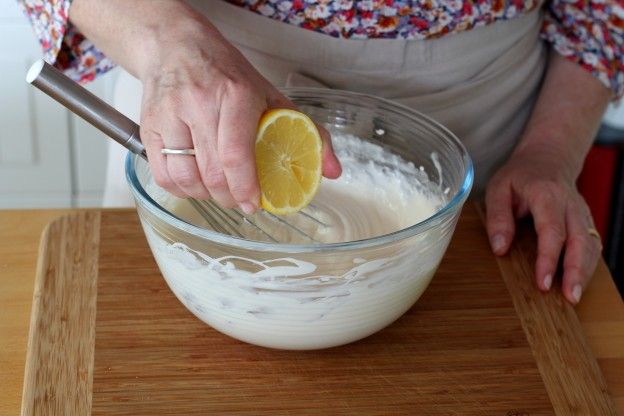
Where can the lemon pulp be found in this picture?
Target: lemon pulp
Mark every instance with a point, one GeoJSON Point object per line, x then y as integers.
{"type": "Point", "coordinates": [288, 160]}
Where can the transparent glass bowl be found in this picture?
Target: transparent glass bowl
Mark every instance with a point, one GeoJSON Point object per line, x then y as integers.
{"type": "Point", "coordinates": [318, 295]}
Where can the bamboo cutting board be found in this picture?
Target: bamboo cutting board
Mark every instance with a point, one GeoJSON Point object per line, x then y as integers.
{"type": "Point", "coordinates": [108, 337]}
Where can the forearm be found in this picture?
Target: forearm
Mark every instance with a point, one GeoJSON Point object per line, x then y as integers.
{"type": "Point", "coordinates": [565, 118]}
{"type": "Point", "coordinates": [131, 32]}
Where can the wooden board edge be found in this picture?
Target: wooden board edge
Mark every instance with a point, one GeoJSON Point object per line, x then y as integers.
{"type": "Point", "coordinates": [63, 310]}
{"type": "Point", "coordinates": [570, 372]}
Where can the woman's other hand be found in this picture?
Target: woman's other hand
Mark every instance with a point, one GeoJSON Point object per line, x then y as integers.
{"type": "Point", "coordinates": [540, 179]}
{"type": "Point", "coordinates": [198, 92]}
{"type": "Point", "coordinates": [532, 184]}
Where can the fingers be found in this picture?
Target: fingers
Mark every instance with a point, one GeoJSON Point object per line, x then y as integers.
{"type": "Point", "coordinates": [238, 122]}
{"type": "Point", "coordinates": [582, 252]}
{"type": "Point", "coordinates": [500, 222]}
{"type": "Point", "coordinates": [182, 169]}
{"type": "Point", "coordinates": [153, 141]}
{"type": "Point", "coordinates": [549, 218]}
{"type": "Point", "coordinates": [158, 162]}
{"type": "Point", "coordinates": [204, 133]}
{"type": "Point", "coordinates": [223, 135]}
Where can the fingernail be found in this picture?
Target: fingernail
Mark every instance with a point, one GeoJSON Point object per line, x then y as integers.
{"type": "Point", "coordinates": [247, 208]}
{"type": "Point", "coordinates": [498, 243]}
{"type": "Point", "coordinates": [548, 281]}
{"type": "Point", "coordinates": [577, 292]}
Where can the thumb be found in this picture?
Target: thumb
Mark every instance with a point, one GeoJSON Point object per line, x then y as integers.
{"type": "Point", "coordinates": [331, 165]}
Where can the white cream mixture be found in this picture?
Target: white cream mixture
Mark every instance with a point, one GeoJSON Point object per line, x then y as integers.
{"type": "Point", "coordinates": [377, 193]}
{"type": "Point", "coordinates": [317, 299]}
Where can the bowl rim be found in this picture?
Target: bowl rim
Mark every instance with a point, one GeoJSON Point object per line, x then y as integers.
{"type": "Point", "coordinates": [455, 203]}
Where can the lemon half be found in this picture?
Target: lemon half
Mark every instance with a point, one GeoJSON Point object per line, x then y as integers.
{"type": "Point", "coordinates": [288, 160]}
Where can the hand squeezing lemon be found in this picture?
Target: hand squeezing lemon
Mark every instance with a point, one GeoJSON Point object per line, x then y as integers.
{"type": "Point", "coordinates": [288, 160]}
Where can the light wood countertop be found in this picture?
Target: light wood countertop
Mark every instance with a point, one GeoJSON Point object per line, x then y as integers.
{"type": "Point", "coordinates": [601, 311]}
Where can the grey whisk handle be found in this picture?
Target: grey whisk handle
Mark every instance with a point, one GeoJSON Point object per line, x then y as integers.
{"type": "Point", "coordinates": [87, 105]}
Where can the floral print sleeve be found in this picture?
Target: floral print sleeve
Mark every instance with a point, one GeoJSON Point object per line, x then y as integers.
{"type": "Point", "coordinates": [63, 45]}
{"type": "Point", "coordinates": [590, 33]}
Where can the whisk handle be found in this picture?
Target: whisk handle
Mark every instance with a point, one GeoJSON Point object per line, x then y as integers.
{"type": "Point", "coordinates": [87, 105]}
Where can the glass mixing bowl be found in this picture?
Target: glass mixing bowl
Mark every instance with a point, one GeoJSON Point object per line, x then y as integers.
{"type": "Point", "coordinates": [294, 296]}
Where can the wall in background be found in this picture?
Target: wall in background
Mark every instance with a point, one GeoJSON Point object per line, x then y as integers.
{"type": "Point", "coordinates": [48, 157]}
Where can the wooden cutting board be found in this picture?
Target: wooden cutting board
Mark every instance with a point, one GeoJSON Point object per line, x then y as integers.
{"type": "Point", "coordinates": [108, 337]}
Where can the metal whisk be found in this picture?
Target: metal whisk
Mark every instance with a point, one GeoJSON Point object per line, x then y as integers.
{"type": "Point", "coordinates": [126, 132]}
{"type": "Point", "coordinates": [232, 221]}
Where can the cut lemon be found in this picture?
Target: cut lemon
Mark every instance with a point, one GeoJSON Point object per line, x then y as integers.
{"type": "Point", "coordinates": [288, 160]}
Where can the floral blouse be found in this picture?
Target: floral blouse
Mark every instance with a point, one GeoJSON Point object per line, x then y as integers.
{"type": "Point", "coordinates": [588, 32]}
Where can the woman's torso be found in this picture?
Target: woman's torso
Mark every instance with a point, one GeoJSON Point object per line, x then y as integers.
{"type": "Point", "coordinates": [480, 83]}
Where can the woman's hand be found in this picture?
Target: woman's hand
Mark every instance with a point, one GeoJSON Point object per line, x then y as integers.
{"type": "Point", "coordinates": [198, 92]}
{"type": "Point", "coordinates": [534, 184]}
{"type": "Point", "coordinates": [540, 179]}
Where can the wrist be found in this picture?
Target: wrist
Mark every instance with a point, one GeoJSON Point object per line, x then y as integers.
{"type": "Point", "coordinates": [563, 161]}
{"type": "Point", "coordinates": [564, 120]}
{"type": "Point", "coordinates": [162, 40]}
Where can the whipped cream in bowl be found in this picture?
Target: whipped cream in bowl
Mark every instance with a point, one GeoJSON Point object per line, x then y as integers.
{"type": "Point", "coordinates": [388, 221]}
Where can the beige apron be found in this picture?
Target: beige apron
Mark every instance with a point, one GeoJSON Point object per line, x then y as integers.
{"type": "Point", "coordinates": [479, 83]}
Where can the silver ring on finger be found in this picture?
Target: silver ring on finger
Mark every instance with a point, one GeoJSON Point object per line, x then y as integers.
{"type": "Point", "coordinates": [188, 152]}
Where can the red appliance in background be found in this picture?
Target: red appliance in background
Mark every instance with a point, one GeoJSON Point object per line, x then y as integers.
{"type": "Point", "coordinates": [597, 185]}
{"type": "Point", "coordinates": [602, 185]}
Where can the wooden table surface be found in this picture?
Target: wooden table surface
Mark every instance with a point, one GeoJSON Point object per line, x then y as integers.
{"type": "Point", "coordinates": [601, 311]}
